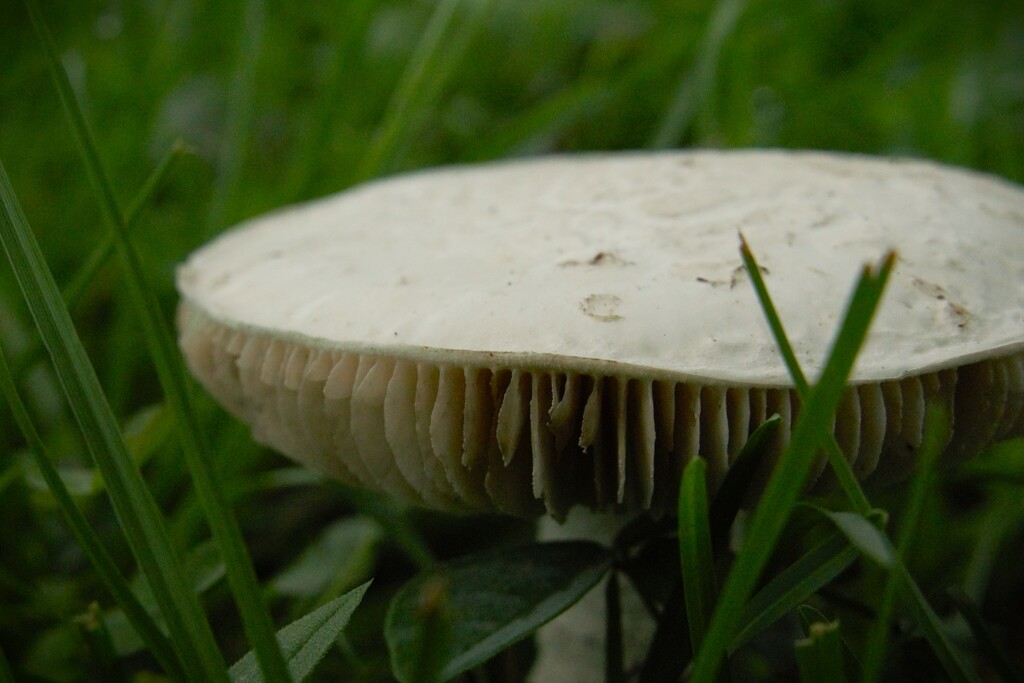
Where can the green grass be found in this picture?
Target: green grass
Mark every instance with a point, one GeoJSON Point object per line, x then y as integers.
{"type": "Point", "coordinates": [172, 521]}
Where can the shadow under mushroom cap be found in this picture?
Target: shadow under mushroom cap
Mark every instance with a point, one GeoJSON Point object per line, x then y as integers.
{"type": "Point", "coordinates": [571, 330]}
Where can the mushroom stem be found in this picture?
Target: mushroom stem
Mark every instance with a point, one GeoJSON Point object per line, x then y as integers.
{"type": "Point", "coordinates": [572, 647]}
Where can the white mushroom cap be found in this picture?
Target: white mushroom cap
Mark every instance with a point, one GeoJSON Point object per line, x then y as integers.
{"type": "Point", "coordinates": [573, 329]}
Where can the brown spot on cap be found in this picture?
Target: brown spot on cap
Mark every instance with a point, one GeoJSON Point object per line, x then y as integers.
{"type": "Point", "coordinates": [603, 307]}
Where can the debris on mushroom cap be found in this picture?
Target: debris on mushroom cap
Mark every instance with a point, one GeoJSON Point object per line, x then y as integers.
{"type": "Point", "coordinates": [571, 330]}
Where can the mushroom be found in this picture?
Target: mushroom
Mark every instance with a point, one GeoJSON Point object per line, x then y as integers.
{"type": "Point", "coordinates": [567, 332]}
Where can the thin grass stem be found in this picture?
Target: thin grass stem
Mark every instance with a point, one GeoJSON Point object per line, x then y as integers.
{"type": "Point", "coordinates": [6, 675]}
{"type": "Point", "coordinates": [134, 506]}
{"type": "Point", "coordinates": [86, 538]}
{"type": "Point", "coordinates": [241, 575]}
{"type": "Point", "coordinates": [840, 466]}
{"type": "Point", "coordinates": [816, 568]}
{"type": "Point", "coordinates": [86, 273]}
{"type": "Point", "coordinates": [1001, 661]}
{"type": "Point", "coordinates": [819, 656]}
{"type": "Point", "coordinates": [932, 628]}
{"type": "Point", "coordinates": [442, 45]}
{"type": "Point", "coordinates": [697, 83]}
{"type": "Point", "coordinates": [105, 248]}
{"type": "Point", "coordinates": [239, 114]}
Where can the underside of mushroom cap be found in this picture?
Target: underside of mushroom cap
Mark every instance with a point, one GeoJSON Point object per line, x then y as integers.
{"type": "Point", "coordinates": [572, 330]}
{"type": "Point", "coordinates": [469, 438]}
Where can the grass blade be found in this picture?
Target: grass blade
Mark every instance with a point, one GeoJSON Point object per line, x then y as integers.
{"type": "Point", "coordinates": [84, 535]}
{"type": "Point", "coordinates": [698, 82]}
{"type": "Point", "coordinates": [814, 569]}
{"type": "Point", "coordinates": [695, 559]}
{"type": "Point", "coordinates": [936, 426]}
{"type": "Point", "coordinates": [85, 274]}
{"type": "Point", "coordinates": [135, 508]}
{"type": "Point", "coordinates": [239, 114]}
{"type": "Point", "coordinates": [788, 481]}
{"type": "Point", "coordinates": [443, 43]}
{"type": "Point", "coordinates": [6, 675]}
{"type": "Point", "coordinates": [102, 251]}
{"type": "Point", "coordinates": [93, 632]}
{"type": "Point", "coordinates": [928, 621]}
{"type": "Point", "coordinates": [1007, 669]}
{"type": "Point", "coordinates": [932, 629]}
{"type": "Point", "coordinates": [350, 25]}
{"type": "Point", "coordinates": [809, 615]}
{"type": "Point", "coordinates": [844, 473]}
{"type": "Point", "coordinates": [546, 119]}
{"type": "Point", "coordinates": [1000, 525]}
{"type": "Point", "coordinates": [820, 655]}
{"type": "Point", "coordinates": [241, 574]}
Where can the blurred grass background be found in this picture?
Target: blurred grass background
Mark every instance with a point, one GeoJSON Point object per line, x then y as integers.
{"type": "Point", "coordinates": [283, 102]}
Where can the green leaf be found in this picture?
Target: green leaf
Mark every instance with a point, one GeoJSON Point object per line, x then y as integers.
{"type": "Point", "coordinates": [999, 524]}
{"type": "Point", "coordinates": [304, 642]}
{"type": "Point", "coordinates": [816, 568]}
{"type": "Point", "coordinates": [147, 430]}
{"type": "Point", "coordinates": [695, 560]}
{"type": "Point", "coordinates": [495, 599]}
{"type": "Point", "coordinates": [430, 647]}
{"type": "Point", "coordinates": [204, 566]}
{"type": "Point", "coordinates": [820, 655]}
